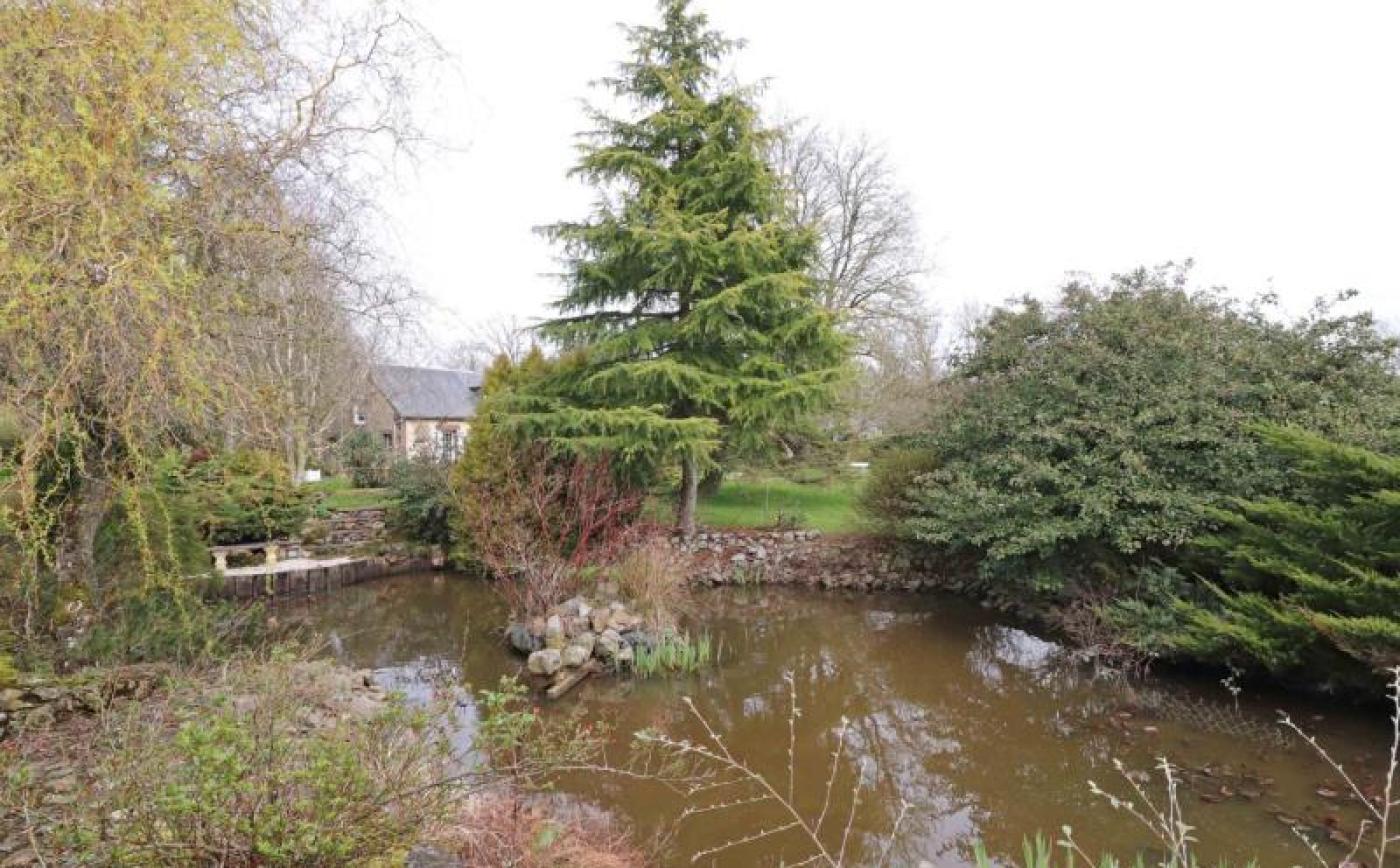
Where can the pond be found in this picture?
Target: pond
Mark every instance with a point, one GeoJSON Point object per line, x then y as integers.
{"type": "Point", "coordinates": [981, 726]}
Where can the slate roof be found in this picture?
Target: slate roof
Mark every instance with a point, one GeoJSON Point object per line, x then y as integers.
{"type": "Point", "coordinates": [428, 393]}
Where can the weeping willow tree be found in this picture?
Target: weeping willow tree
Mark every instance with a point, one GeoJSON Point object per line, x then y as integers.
{"type": "Point", "coordinates": [141, 145]}
{"type": "Point", "coordinates": [1310, 584]}
{"type": "Point", "coordinates": [687, 306]}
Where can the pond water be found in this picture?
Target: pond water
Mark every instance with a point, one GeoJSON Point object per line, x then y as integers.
{"type": "Point", "coordinates": [982, 727]}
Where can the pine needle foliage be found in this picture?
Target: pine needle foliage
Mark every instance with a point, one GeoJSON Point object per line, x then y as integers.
{"type": "Point", "coordinates": [687, 310]}
{"type": "Point", "coordinates": [1309, 582]}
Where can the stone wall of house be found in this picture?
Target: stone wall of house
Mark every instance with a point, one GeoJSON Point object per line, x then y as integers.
{"type": "Point", "coordinates": [806, 557]}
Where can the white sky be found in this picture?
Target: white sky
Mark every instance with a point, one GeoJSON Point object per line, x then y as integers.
{"type": "Point", "coordinates": [1260, 138]}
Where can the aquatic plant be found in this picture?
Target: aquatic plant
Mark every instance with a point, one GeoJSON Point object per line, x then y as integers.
{"type": "Point", "coordinates": [673, 653]}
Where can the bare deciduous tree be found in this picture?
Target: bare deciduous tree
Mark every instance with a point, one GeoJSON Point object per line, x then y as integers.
{"type": "Point", "coordinates": [870, 258]}
{"type": "Point", "coordinates": [488, 339]}
{"type": "Point", "coordinates": [897, 382]}
{"type": "Point", "coordinates": [868, 270]}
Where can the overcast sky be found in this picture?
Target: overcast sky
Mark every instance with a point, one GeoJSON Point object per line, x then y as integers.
{"type": "Point", "coordinates": [1261, 139]}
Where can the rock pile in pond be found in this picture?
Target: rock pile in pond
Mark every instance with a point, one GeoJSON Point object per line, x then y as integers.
{"type": "Point", "coordinates": [578, 637]}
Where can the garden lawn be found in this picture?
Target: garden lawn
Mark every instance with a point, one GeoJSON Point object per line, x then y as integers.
{"type": "Point", "coordinates": [340, 495]}
{"type": "Point", "coordinates": [759, 502]}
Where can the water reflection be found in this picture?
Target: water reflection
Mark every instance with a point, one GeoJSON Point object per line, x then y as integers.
{"type": "Point", "coordinates": [984, 728]}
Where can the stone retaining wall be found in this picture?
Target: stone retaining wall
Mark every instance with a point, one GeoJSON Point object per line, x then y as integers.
{"type": "Point", "coordinates": [43, 701]}
{"type": "Point", "coordinates": [317, 579]}
{"type": "Point", "coordinates": [806, 557]}
{"type": "Point", "coordinates": [354, 527]}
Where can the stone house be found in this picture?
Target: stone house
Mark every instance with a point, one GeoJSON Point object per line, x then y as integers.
{"type": "Point", "coordinates": [417, 410]}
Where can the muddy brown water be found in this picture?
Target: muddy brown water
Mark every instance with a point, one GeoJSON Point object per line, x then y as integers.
{"type": "Point", "coordinates": [983, 728]}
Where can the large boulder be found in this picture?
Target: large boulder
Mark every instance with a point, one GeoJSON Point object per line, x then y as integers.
{"type": "Point", "coordinates": [544, 662]}
{"type": "Point", "coordinates": [586, 641]}
{"type": "Point", "coordinates": [520, 638]}
{"type": "Point", "coordinates": [609, 643]}
{"type": "Point", "coordinates": [575, 656]}
{"type": "Point", "coordinates": [622, 621]}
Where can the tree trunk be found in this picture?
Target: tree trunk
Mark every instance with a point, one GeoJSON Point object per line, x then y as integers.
{"type": "Point", "coordinates": [685, 505]}
{"type": "Point", "coordinates": [301, 457]}
{"type": "Point", "coordinates": [76, 561]}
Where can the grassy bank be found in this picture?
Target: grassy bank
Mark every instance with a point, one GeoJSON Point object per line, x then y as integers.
{"type": "Point", "coordinates": [768, 501]}
{"type": "Point", "coordinates": [341, 495]}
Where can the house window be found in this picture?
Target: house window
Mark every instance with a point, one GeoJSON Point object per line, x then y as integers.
{"type": "Point", "coordinates": [449, 443]}
{"type": "Point", "coordinates": [358, 415]}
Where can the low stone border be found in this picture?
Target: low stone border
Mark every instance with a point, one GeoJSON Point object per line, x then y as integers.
{"type": "Point", "coordinates": [808, 558]}
{"type": "Point", "coordinates": [43, 701]}
{"type": "Point", "coordinates": [306, 581]}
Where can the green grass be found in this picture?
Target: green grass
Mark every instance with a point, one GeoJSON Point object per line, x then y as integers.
{"type": "Point", "coordinates": [340, 495]}
{"type": "Point", "coordinates": [760, 501]}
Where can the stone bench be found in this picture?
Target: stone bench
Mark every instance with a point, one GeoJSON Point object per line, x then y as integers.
{"type": "Point", "coordinates": [271, 549]}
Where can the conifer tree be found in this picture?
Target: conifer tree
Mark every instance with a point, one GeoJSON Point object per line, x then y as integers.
{"type": "Point", "coordinates": [1309, 584]}
{"type": "Point", "coordinates": [687, 313]}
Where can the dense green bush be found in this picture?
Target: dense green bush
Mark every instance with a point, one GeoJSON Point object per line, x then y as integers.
{"type": "Point", "coordinates": [246, 496]}
{"type": "Point", "coordinates": [892, 477]}
{"type": "Point", "coordinates": [1308, 584]}
{"type": "Point", "coordinates": [1099, 431]}
{"type": "Point", "coordinates": [422, 505]}
{"type": "Point", "coordinates": [364, 457]}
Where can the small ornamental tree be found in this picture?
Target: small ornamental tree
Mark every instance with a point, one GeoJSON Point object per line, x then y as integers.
{"type": "Point", "coordinates": [688, 320]}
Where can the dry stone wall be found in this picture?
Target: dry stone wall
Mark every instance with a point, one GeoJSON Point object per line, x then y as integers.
{"type": "Point", "coordinates": [806, 557]}
{"type": "Point", "coordinates": [355, 527]}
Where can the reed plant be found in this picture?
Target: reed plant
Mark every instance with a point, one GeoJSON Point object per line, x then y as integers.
{"type": "Point", "coordinates": [674, 653]}
{"type": "Point", "coordinates": [654, 577]}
